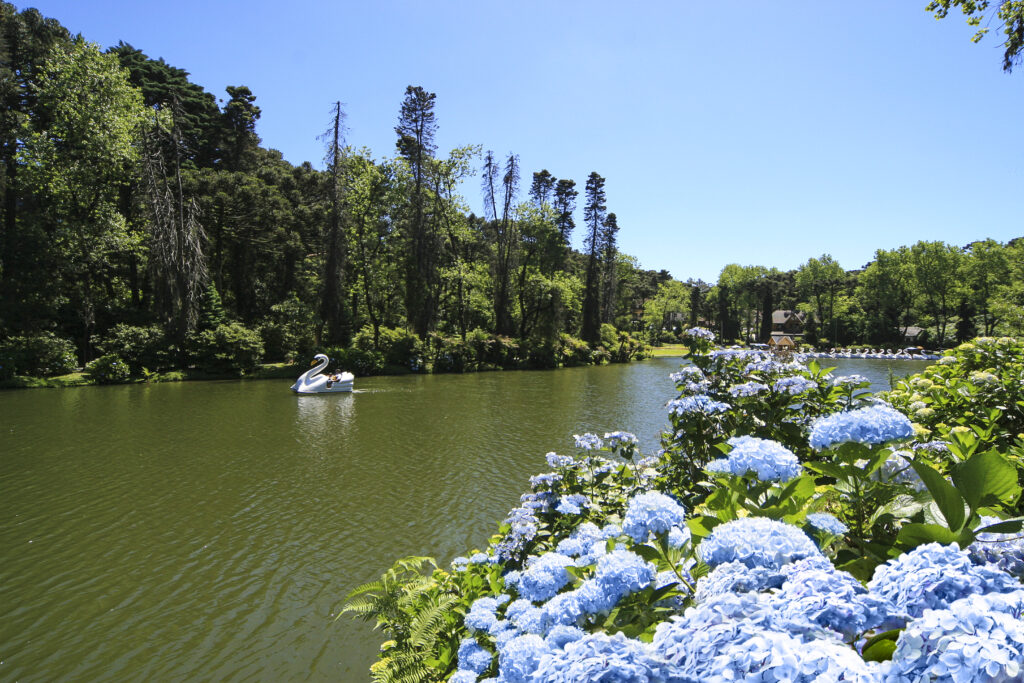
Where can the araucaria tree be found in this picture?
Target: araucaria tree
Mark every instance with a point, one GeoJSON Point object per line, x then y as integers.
{"type": "Point", "coordinates": [416, 128]}
{"type": "Point", "coordinates": [332, 301]}
{"type": "Point", "coordinates": [609, 266]}
{"type": "Point", "coordinates": [593, 218]}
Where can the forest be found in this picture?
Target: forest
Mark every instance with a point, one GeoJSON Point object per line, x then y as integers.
{"type": "Point", "coordinates": [143, 227]}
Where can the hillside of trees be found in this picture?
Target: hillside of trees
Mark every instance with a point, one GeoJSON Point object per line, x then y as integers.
{"type": "Point", "coordinates": [144, 225]}
{"type": "Point", "coordinates": [137, 212]}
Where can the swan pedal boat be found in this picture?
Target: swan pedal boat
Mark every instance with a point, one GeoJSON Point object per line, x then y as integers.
{"type": "Point", "coordinates": [312, 382]}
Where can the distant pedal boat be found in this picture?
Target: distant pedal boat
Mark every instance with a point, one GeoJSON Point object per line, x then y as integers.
{"type": "Point", "coordinates": [312, 382]}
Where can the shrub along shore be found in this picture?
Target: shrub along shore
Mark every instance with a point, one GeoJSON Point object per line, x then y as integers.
{"type": "Point", "coordinates": [793, 527]}
{"type": "Point", "coordinates": [141, 354]}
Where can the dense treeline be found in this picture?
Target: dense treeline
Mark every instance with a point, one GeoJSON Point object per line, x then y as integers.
{"type": "Point", "coordinates": [144, 226]}
{"type": "Point", "coordinates": [143, 221]}
{"type": "Point", "coordinates": [951, 293]}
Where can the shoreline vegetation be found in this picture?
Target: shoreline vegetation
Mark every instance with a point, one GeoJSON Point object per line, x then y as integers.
{"type": "Point", "coordinates": [793, 527]}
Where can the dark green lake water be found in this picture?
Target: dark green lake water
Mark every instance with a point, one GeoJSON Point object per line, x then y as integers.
{"type": "Point", "coordinates": [209, 531]}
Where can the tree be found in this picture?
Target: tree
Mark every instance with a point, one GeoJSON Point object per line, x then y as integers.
{"type": "Point", "coordinates": [564, 206]}
{"type": "Point", "coordinates": [671, 303]}
{"type": "Point", "coordinates": [609, 274]}
{"type": "Point", "coordinates": [176, 238]}
{"type": "Point", "coordinates": [594, 218]}
{"type": "Point", "coordinates": [25, 40]}
{"type": "Point", "coordinates": [1009, 12]}
{"type": "Point", "coordinates": [239, 139]}
{"type": "Point", "coordinates": [333, 311]}
{"type": "Point", "coordinates": [985, 268]}
{"type": "Point", "coordinates": [886, 292]}
{"type": "Point", "coordinates": [935, 266]}
{"type": "Point", "coordinates": [821, 280]}
{"type": "Point", "coordinates": [541, 188]}
{"type": "Point", "coordinates": [416, 129]}
{"type": "Point", "coordinates": [76, 159]}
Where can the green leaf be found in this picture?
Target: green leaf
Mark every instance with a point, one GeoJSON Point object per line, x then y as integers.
{"type": "Point", "coordinates": [945, 496]}
{"type": "Point", "coordinates": [913, 535]}
{"type": "Point", "coordinates": [986, 478]}
{"type": "Point", "coordinates": [647, 552]}
{"type": "Point", "coordinates": [880, 647]}
{"type": "Point", "coordinates": [1006, 526]}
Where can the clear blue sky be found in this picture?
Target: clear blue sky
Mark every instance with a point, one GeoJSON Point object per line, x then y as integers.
{"type": "Point", "coordinates": [759, 133]}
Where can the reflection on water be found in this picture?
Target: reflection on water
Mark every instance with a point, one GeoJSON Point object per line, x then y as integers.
{"type": "Point", "coordinates": [326, 417]}
{"type": "Point", "coordinates": [211, 530]}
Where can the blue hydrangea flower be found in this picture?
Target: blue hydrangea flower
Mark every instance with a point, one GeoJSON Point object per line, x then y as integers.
{"type": "Point", "coordinates": [556, 461]}
{"type": "Point", "coordinates": [523, 528]}
{"type": "Point", "coordinates": [564, 609]}
{"type": "Point", "coordinates": [697, 404]}
{"type": "Point", "coordinates": [827, 523]}
{"type": "Point", "coordinates": [459, 564]}
{"type": "Point", "coordinates": [794, 385]}
{"type": "Point", "coordinates": [588, 441]}
{"type": "Point", "coordinates": [482, 615]}
{"type": "Point", "coordinates": [744, 638]}
{"type": "Point", "coordinates": [933, 576]}
{"type": "Point", "coordinates": [871, 425]}
{"type": "Point", "coordinates": [769, 366]}
{"type": "Point", "coordinates": [482, 558]}
{"type": "Point", "coordinates": [735, 578]}
{"type": "Point", "coordinates": [756, 542]}
{"type": "Point", "coordinates": [823, 595]}
{"type": "Point", "coordinates": [678, 536]}
{"type": "Point", "coordinates": [519, 657]}
{"type": "Point", "coordinates": [700, 333]}
{"type": "Point", "coordinates": [559, 635]}
{"type": "Point", "coordinates": [473, 657]}
{"type": "Point", "coordinates": [897, 470]}
{"type": "Point", "coordinates": [544, 577]}
{"type": "Point", "coordinates": [748, 389]}
{"type": "Point", "coordinates": [572, 504]}
{"type": "Point", "coordinates": [618, 439]}
{"type": "Point", "coordinates": [545, 480]}
{"type": "Point", "coordinates": [621, 572]}
{"type": "Point", "coordinates": [530, 620]}
{"type": "Point", "coordinates": [463, 676]}
{"type": "Point", "coordinates": [979, 638]}
{"type": "Point", "coordinates": [769, 460]}
{"type": "Point", "coordinates": [598, 658]}
{"type": "Point", "coordinates": [651, 512]}
{"type": "Point", "coordinates": [1002, 551]}
{"type": "Point", "coordinates": [689, 373]}
{"type": "Point", "coordinates": [850, 380]}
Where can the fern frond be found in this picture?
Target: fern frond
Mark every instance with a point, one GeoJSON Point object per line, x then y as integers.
{"type": "Point", "coordinates": [427, 624]}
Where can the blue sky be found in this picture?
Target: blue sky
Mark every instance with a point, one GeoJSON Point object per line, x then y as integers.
{"type": "Point", "coordinates": [759, 133]}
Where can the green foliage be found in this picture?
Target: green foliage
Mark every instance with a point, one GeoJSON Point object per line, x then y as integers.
{"type": "Point", "coordinates": [108, 369]}
{"type": "Point", "coordinates": [416, 611]}
{"type": "Point", "coordinates": [400, 347]}
{"type": "Point", "coordinates": [142, 348]}
{"type": "Point", "coordinates": [361, 363]}
{"type": "Point", "coordinates": [44, 354]}
{"type": "Point", "coordinates": [230, 348]}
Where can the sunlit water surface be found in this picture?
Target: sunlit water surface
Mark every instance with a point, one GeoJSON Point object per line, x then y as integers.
{"type": "Point", "coordinates": [209, 531]}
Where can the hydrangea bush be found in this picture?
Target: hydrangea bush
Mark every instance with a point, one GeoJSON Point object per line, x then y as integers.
{"type": "Point", "coordinates": [791, 528]}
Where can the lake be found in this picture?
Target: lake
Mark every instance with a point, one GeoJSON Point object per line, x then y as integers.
{"type": "Point", "coordinates": [210, 530]}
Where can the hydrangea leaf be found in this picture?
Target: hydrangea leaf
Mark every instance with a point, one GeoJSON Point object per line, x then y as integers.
{"type": "Point", "coordinates": [1006, 526]}
{"type": "Point", "coordinates": [914, 535]}
{"type": "Point", "coordinates": [950, 503]}
{"type": "Point", "coordinates": [986, 478]}
{"type": "Point", "coordinates": [880, 647]}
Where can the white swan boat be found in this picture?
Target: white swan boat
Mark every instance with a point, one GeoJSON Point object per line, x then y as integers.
{"type": "Point", "coordinates": [312, 382]}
